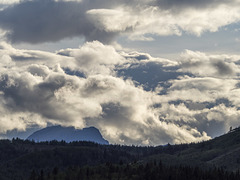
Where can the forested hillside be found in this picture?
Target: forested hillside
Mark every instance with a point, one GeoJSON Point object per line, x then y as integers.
{"type": "Point", "coordinates": [215, 159]}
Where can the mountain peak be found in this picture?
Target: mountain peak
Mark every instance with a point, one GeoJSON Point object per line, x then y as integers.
{"type": "Point", "coordinates": [68, 134]}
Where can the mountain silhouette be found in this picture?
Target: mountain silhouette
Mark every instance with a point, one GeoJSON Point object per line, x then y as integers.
{"type": "Point", "coordinates": [68, 134]}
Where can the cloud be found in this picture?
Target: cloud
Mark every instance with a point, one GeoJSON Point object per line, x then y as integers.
{"type": "Point", "coordinates": [207, 94]}
{"type": "Point", "coordinates": [37, 21]}
{"type": "Point", "coordinates": [50, 21]}
{"type": "Point", "coordinates": [105, 19]}
{"type": "Point", "coordinates": [9, 1]}
{"type": "Point", "coordinates": [222, 66]}
{"type": "Point", "coordinates": [132, 97]}
{"type": "Point", "coordinates": [39, 92]}
{"type": "Point", "coordinates": [190, 3]}
{"type": "Point", "coordinates": [196, 90]}
{"type": "Point", "coordinates": [68, 0]}
{"type": "Point", "coordinates": [94, 58]}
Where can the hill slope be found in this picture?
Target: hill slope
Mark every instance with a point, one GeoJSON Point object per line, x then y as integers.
{"type": "Point", "coordinates": [18, 158]}
{"type": "Point", "coordinates": [223, 151]}
{"type": "Point", "coordinates": [68, 134]}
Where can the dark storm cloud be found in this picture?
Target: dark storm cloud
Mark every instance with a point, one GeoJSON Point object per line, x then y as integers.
{"type": "Point", "coordinates": [39, 99]}
{"type": "Point", "coordinates": [181, 4]}
{"type": "Point", "coordinates": [46, 20]}
{"type": "Point", "coordinates": [40, 21]}
{"type": "Point", "coordinates": [223, 68]}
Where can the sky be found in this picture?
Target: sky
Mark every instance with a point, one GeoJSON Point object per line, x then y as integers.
{"type": "Point", "coordinates": [144, 72]}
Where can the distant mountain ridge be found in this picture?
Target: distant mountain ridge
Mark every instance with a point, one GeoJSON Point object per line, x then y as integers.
{"type": "Point", "coordinates": [68, 134]}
